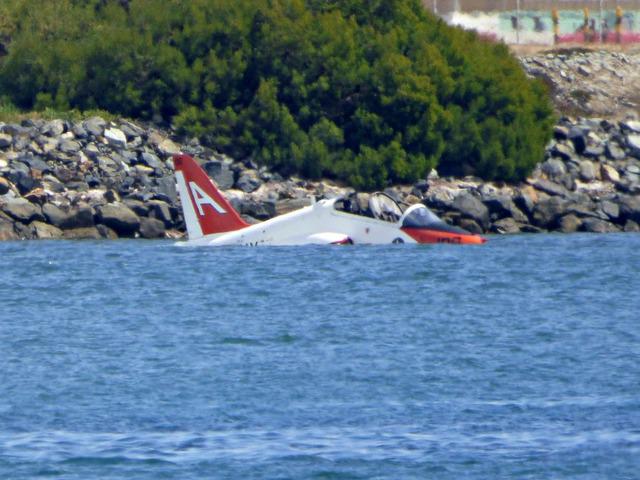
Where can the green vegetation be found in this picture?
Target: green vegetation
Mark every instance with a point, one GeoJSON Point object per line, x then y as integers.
{"type": "Point", "coordinates": [369, 91]}
{"type": "Point", "coordinates": [9, 113]}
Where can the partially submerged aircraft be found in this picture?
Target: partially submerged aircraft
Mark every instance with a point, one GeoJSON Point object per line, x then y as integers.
{"type": "Point", "coordinates": [212, 221]}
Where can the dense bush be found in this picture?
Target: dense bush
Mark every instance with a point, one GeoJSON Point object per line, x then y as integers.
{"type": "Point", "coordinates": [369, 91]}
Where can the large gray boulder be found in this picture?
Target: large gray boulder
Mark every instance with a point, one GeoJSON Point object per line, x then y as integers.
{"type": "Point", "coordinates": [150, 160]}
{"type": "Point", "coordinates": [64, 174]}
{"type": "Point", "coordinates": [69, 146]}
{"type": "Point", "coordinates": [248, 182]}
{"type": "Point", "coordinates": [131, 130]}
{"type": "Point", "coordinates": [14, 129]}
{"type": "Point", "coordinates": [168, 147]}
{"type": "Point", "coordinates": [80, 216]}
{"type": "Point", "coordinates": [524, 202]}
{"type": "Point", "coordinates": [505, 226]}
{"type": "Point", "coordinates": [94, 126]}
{"type": "Point", "coordinates": [55, 215]}
{"type": "Point", "coordinates": [23, 211]}
{"type": "Point", "coordinates": [470, 225]}
{"type": "Point", "coordinates": [106, 232]}
{"type": "Point", "coordinates": [587, 171]}
{"type": "Point", "coordinates": [78, 131]}
{"type": "Point", "coordinates": [54, 128]}
{"type": "Point", "coordinates": [632, 125]}
{"type": "Point", "coordinates": [163, 145]}
{"type": "Point", "coordinates": [593, 151]}
{"type": "Point", "coordinates": [633, 142]}
{"type": "Point", "coordinates": [23, 231]}
{"type": "Point", "coordinates": [107, 165]}
{"type": "Point", "coordinates": [614, 151]}
{"type": "Point", "coordinates": [501, 206]}
{"type": "Point", "coordinates": [84, 233]}
{"type": "Point", "coordinates": [561, 132]}
{"type": "Point", "coordinates": [151, 228]}
{"type": "Point", "coordinates": [161, 211]}
{"type": "Point", "coordinates": [92, 151]}
{"type": "Point", "coordinates": [554, 168]}
{"type": "Point", "coordinates": [44, 231]}
{"type": "Point", "coordinates": [630, 207]}
{"type": "Point", "coordinates": [258, 210]}
{"type": "Point", "coordinates": [6, 140]}
{"type": "Point", "coordinates": [569, 223]}
{"type": "Point", "coordinates": [470, 206]}
{"type": "Point", "coordinates": [597, 225]}
{"type": "Point", "coordinates": [631, 226]}
{"type": "Point", "coordinates": [23, 181]}
{"type": "Point", "coordinates": [36, 163]}
{"type": "Point", "coordinates": [563, 151]}
{"type": "Point", "coordinates": [17, 165]}
{"type": "Point", "coordinates": [583, 206]}
{"type": "Point", "coordinates": [610, 209]}
{"type": "Point", "coordinates": [22, 143]}
{"type": "Point", "coordinates": [547, 212]}
{"type": "Point", "coordinates": [138, 207]}
{"type": "Point", "coordinates": [438, 198]}
{"type": "Point", "coordinates": [547, 186]}
{"type": "Point", "coordinates": [7, 232]}
{"type": "Point", "coordinates": [220, 173]}
{"type": "Point", "coordinates": [119, 217]}
{"type": "Point", "coordinates": [167, 186]}
{"type": "Point", "coordinates": [609, 172]}
{"type": "Point", "coordinates": [126, 157]}
{"type": "Point", "coordinates": [115, 138]}
{"type": "Point", "coordinates": [578, 138]}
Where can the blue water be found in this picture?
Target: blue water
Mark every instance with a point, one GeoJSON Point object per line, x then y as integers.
{"type": "Point", "coordinates": [139, 360]}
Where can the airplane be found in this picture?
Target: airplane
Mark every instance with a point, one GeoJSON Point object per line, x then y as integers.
{"type": "Point", "coordinates": [212, 221]}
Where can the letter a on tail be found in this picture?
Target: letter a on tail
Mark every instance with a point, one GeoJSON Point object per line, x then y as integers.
{"type": "Point", "coordinates": [206, 211]}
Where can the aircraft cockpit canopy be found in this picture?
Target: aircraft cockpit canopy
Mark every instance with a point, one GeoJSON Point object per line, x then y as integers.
{"type": "Point", "coordinates": [383, 207]}
{"type": "Point", "coordinates": [419, 216]}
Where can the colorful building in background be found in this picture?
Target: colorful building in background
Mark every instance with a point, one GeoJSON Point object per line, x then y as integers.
{"type": "Point", "coordinates": [545, 22]}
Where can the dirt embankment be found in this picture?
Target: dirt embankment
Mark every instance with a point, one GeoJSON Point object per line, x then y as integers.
{"type": "Point", "coordinates": [602, 82]}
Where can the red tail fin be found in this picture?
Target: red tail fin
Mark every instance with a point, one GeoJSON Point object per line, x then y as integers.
{"type": "Point", "coordinates": [206, 211]}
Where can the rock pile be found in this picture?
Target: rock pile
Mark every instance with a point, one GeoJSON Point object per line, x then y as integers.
{"type": "Point", "coordinates": [90, 179]}
{"type": "Point", "coordinates": [589, 83]}
{"type": "Point", "coordinates": [589, 181]}
{"type": "Point", "coordinates": [98, 179]}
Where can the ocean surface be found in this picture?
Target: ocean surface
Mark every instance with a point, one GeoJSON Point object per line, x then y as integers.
{"type": "Point", "coordinates": [140, 360]}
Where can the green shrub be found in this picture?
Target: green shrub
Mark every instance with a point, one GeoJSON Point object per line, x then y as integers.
{"type": "Point", "coordinates": [367, 91]}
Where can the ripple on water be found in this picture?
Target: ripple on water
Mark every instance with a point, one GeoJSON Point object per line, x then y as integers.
{"type": "Point", "coordinates": [241, 341]}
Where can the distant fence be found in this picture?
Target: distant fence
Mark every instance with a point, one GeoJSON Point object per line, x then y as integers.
{"type": "Point", "coordinates": [545, 22]}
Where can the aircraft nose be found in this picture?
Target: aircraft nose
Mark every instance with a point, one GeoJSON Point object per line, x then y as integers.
{"type": "Point", "coordinates": [473, 239]}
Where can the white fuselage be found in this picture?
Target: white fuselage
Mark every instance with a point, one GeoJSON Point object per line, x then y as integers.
{"type": "Point", "coordinates": [318, 223]}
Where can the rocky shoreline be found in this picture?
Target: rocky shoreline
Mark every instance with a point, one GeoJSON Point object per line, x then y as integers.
{"type": "Point", "coordinates": [95, 179]}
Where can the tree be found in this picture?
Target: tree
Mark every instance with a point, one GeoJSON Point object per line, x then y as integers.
{"type": "Point", "coordinates": [367, 91]}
